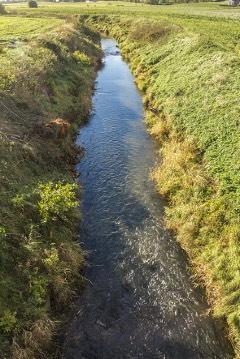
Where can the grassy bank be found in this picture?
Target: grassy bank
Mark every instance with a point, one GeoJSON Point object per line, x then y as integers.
{"type": "Point", "coordinates": [191, 85]}
{"type": "Point", "coordinates": [47, 69]}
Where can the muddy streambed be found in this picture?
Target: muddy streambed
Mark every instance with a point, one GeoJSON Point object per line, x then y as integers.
{"type": "Point", "coordinates": [140, 301]}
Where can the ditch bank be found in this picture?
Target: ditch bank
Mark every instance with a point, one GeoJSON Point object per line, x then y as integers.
{"type": "Point", "coordinates": [46, 90]}
{"type": "Point", "coordinates": [181, 74]}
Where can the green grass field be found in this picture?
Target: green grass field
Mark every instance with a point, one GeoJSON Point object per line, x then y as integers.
{"type": "Point", "coordinates": [217, 20]}
{"type": "Point", "coordinates": [23, 29]}
{"type": "Point", "coordinates": [209, 9]}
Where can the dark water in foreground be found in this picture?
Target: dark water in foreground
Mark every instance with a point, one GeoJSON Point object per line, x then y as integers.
{"type": "Point", "coordinates": [140, 301]}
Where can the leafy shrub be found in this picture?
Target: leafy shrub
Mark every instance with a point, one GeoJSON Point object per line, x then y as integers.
{"type": "Point", "coordinates": [8, 321]}
{"type": "Point", "coordinates": [38, 291]}
{"type": "Point", "coordinates": [56, 200]}
{"type": "Point", "coordinates": [81, 57]}
{"type": "Point", "coordinates": [32, 4]}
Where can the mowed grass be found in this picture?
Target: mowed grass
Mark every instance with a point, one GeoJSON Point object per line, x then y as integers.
{"type": "Point", "coordinates": [21, 28]}
{"type": "Point", "coordinates": [212, 9]}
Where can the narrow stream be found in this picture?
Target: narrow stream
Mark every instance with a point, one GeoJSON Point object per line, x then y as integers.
{"type": "Point", "coordinates": [140, 301]}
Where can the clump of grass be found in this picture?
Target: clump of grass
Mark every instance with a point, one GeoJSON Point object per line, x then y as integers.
{"type": "Point", "coordinates": [153, 31]}
{"type": "Point", "coordinates": [159, 129]}
{"type": "Point", "coordinates": [80, 57]}
{"type": "Point", "coordinates": [35, 341]}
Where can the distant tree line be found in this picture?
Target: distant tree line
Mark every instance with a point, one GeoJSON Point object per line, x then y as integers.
{"type": "Point", "coordinates": [2, 9]}
{"type": "Point", "coordinates": [32, 3]}
{"type": "Point", "coordinates": [67, 0]}
{"type": "Point", "coordinates": [234, 2]}
{"type": "Point", "coordinates": [168, 2]}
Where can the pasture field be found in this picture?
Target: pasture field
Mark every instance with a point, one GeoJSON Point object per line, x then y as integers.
{"type": "Point", "coordinates": [24, 29]}
{"type": "Point", "coordinates": [216, 20]}
{"type": "Point", "coordinates": [209, 9]}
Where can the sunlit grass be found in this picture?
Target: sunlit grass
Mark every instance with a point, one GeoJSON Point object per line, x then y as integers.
{"type": "Point", "coordinates": [214, 9]}
{"type": "Point", "coordinates": [25, 28]}
{"type": "Point", "coordinates": [215, 19]}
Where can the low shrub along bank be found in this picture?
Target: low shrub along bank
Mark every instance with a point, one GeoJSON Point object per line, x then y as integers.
{"type": "Point", "coordinates": [45, 94]}
{"type": "Point", "coordinates": [191, 85]}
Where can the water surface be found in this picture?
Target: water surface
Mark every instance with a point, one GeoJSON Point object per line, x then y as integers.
{"type": "Point", "coordinates": [140, 301]}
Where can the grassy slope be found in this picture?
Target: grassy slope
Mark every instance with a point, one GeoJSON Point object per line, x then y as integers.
{"type": "Point", "coordinates": [48, 73]}
{"type": "Point", "coordinates": [190, 73]}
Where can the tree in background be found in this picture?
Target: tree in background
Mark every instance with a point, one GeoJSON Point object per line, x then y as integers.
{"type": "Point", "coordinates": [32, 4]}
{"type": "Point", "coordinates": [2, 10]}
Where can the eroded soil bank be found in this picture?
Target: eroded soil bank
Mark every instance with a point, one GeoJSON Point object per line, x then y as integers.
{"type": "Point", "coordinates": [140, 300]}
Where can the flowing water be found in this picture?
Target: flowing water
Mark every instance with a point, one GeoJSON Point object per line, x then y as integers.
{"type": "Point", "coordinates": [140, 301]}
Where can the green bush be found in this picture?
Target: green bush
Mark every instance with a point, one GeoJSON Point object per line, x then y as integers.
{"type": "Point", "coordinates": [81, 57]}
{"type": "Point", "coordinates": [8, 321]}
{"type": "Point", "coordinates": [56, 200]}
